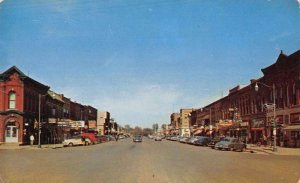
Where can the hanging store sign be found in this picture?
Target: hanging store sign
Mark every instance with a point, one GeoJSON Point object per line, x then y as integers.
{"type": "Point", "coordinates": [76, 124]}
{"type": "Point", "coordinates": [52, 120]}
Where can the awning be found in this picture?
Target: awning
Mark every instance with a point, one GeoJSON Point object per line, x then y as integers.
{"type": "Point", "coordinates": [257, 129]}
{"type": "Point", "coordinates": [197, 132]}
{"type": "Point", "coordinates": [292, 127]}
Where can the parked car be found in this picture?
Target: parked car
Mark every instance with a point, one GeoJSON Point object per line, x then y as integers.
{"type": "Point", "coordinates": [74, 141]}
{"type": "Point", "coordinates": [215, 140]}
{"type": "Point", "coordinates": [184, 139]}
{"type": "Point", "coordinates": [193, 139]}
{"type": "Point", "coordinates": [239, 146]}
{"type": "Point", "coordinates": [102, 138]}
{"type": "Point", "coordinates": [90, 138]}
{"type": "Point", "coordinates": [111, 138]}
{"type": "Point", "coordinates": [202, 141]}
{"type": "Point", "coordinates": [137, 138]}
{"type": "Point", "coordinates": [158, 138]}
{"type": "Point", "coordinates": [230, 143]}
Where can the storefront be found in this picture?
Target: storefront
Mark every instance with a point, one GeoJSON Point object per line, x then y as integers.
{"type": "Point", "coordinates": [291, 136]}
{"type": "Point", "coordinates": [257, 130]}
{"type": "Point", "coordinates": [224, 126]}
{"type": "Point", "coordinates": [11, 131]}
{"type": "Point", "coordinates": [239, 130]}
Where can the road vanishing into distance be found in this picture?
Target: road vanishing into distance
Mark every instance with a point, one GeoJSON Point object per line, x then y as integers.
{"type": "Point", "coordinates": [149, 161]}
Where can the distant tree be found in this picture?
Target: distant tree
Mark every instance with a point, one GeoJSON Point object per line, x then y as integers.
{"type": "Point", "coordinates": [127, 129]}
{"type": "Point", "coordinates": [155, 127]}
{"type": "Point", "coordinates": [137, 130]}
{"type": "Point", "coordinates": [164, 126]}
{"type": "Point", "coordinates": [147, 131]}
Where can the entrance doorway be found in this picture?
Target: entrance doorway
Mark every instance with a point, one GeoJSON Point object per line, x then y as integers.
{"type": "Point", "coordinates": [11, 132]}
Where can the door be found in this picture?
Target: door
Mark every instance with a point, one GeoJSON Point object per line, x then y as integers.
{"type": "Point", "coordinates": [11, 132]}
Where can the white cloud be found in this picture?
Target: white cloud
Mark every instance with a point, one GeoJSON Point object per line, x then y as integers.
{"type": "Point", "coordinates": [141, 106]}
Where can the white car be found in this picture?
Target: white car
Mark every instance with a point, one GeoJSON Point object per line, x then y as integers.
{"type": "Point", "coordinates": [74, 141]}
{"type": "Point", "coordinates": [158, 138]}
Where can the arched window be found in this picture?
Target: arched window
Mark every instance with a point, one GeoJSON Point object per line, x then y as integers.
{"type": "Point", "coordinates": [12, 100]}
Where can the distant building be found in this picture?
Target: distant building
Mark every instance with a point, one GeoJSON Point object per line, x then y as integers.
{"type": "Point", "coordinates": [175, 120]}
{"type": "Point", "coordinates": [184, 123]}
{"type": "Point", "coordinates": [103, 122]}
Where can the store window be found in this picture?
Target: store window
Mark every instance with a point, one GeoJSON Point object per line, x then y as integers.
{"type": "Point", "coordinates": [12, 100]}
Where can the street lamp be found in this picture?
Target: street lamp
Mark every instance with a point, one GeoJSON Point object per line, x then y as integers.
{"type": "Point", "coordinates": [274, 111]}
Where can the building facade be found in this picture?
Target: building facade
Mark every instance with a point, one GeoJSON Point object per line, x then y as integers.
{"type": "Point", "coordinates": [19, 106]}
{"type": "Point", "coordinates": [184, 122]}
{"type": "Point", "coordinates": [25, 102]}
{"type": "Point", "coordinates": [103, 119]}
{"type": "Point", "coordinates": [248, 113]}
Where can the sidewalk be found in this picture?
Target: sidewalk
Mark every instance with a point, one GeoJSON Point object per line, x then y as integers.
{"type": "Point", "coordinates": [18, 147]}
{"type": "Point", "coordinates": [268, 150]}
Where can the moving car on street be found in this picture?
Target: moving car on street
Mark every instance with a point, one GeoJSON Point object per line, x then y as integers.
{"type": "Point", "coordinates": [158, 138]}
{"type": "Point", "coordinates": [137, 138]}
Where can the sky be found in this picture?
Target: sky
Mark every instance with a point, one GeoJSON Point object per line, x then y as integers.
{"type": "Point", "coordinates": [143, 60]}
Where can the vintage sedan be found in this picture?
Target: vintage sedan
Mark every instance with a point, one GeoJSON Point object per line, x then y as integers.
{"type": "Point", "coordinates": [230, 143]}
{"type": "Point", "coordinates": [137, 138]}
{"type": "Point", "coordinates": [239, 146]}
{"type": "Point", "coordinates": [215, 140]}
{"type": "Point", "coordinates": [158, 138]}
{"type": "Point", "coordinates": [202, 141]}
{"type": "Point", "coordinates": [74, 141]}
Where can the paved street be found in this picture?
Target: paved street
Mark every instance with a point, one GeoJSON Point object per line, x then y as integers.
{"type": "Point", "coordinates": [149, 161]}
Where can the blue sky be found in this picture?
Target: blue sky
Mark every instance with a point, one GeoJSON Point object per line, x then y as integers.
{"type": "Point", "coordinates": [143, 60]}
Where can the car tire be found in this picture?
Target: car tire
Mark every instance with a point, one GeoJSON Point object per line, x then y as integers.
{"type": "Point", "coordinates": [70, 144]}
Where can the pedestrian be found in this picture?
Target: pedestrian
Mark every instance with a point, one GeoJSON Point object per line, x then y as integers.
{"type": "Point", "coordinates": [117, 138]}
{"type": "Point", "coordinates": [265, 140]}
{"type": "Point", "coordinates": [31, 139]}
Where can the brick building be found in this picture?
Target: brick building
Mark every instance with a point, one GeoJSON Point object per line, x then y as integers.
{"type": "Point", "coordinates": [248, 114]}
{"type": "Point", "coordinates": [19, 106]}
{"type": "Point", "coordinates": [23, 101]}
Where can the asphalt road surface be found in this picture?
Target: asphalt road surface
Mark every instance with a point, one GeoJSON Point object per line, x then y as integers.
{"type": "Point", "coordinates": [149, 161]}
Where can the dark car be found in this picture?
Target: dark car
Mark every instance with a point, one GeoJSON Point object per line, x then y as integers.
{"type": "Point", "coordinates": [230, 143]}
{"type": "Point", "coordinates": [203, 141]}
{"type": "Point", "coordinates": [102, 138]}
{"type": "Point", "coordinates": [239, 146]}
{"type": "Point", "coordinates": [214, 141]}
{"type": "Point", "coordinates": [137, 138]}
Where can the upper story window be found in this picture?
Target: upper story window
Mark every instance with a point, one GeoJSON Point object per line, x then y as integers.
{"type": "Point", "coordinates": [12, 100]}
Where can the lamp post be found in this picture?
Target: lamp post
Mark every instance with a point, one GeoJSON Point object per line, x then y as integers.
{"type": "Point", "coordinates": [274, 112]}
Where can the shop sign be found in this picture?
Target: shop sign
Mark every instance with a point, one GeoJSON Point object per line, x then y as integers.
{"type": "Point", "coordinates": [77, 124]}
{"type": "Point", "coordinates": [63, 123]}
{"type": "Point", "coordinates": [257, 123]}
{"type": "Point", "coordinates": [243, 124]}
{"type": "Point", "coordinates": [52, 120]}
{"type": "Point", "coordinates": [92, 124]}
